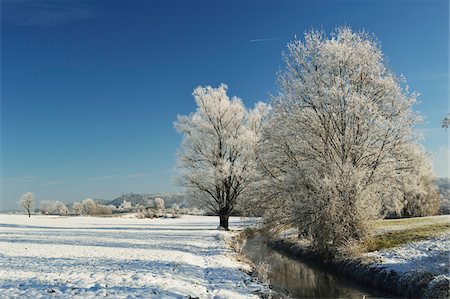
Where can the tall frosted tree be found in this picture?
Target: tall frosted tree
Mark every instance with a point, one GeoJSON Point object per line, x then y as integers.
{"type": "Point", "coordinates": [338, 137]}
{"type": "Point", "coordinates": [216, 159]}
{"type": "Point", "coordinates": [26, 202]}
{"type": "Point", "coordinates": [159, 205]}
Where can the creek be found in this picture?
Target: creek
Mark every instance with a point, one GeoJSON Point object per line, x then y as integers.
{"type": "Point", "coordinates": [297, 278]}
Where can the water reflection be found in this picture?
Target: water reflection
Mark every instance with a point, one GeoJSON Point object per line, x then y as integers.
{"type": "Point", "coordinates": [291, 278]}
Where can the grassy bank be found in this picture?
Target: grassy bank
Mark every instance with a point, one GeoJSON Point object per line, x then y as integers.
{"type": "Point", "coordinates": [397, 238]}
{"type": "Point", "coordinates": [398, 232]}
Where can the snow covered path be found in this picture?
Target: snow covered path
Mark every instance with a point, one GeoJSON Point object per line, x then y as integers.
{"type": "Point", "coordinates": [44, 256]}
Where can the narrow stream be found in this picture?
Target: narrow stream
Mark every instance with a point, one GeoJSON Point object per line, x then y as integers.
{"type": "Point", "coordinates": [293, 278]}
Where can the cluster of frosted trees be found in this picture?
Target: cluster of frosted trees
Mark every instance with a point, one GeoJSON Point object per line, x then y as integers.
{"type": "Point", "coordinates": [156, 208]}
{"type": "Point", "coordinates": [53, 207]}
{"type": "Point", "coordinates": [335, 149]}
{"type": "Point", "coordinates": [90, 207]}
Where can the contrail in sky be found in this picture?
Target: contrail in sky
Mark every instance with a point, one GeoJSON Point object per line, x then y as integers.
{"type": "Point", "coordinates": [266, 39]}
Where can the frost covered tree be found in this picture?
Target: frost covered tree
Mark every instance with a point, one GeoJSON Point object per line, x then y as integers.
{"type": "Point", "coordinates": [26, 202]}
{"type": "Point", "coordinates": [60, 208]}
{"type": "Point", "coordinates": [420, 194]}
{"type": "Point", "coordinates": [159, 205]}
{"type": "Point", "coordinates": [337, 137]}
{"type": "Point", "coordinates": [88, 206]}
{"type": "Point", "coordinates": [46, 206]}
{"type": "Point", "coordinates": [413, 192]}
{"type": "Point", "coordinates": [78, 208]}
{"type": "Point", "coordinates": [125, 205]}
{"type": "Point", "coordinates": [216, 158]}
{"type": "Point", "coordinates": [175, 210]}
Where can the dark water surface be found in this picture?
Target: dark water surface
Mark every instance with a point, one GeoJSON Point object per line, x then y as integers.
{"type": "Point", "coordinates": [293, 278]}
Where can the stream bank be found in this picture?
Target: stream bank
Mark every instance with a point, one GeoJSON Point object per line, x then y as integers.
{"type": "Point", "coordinates": [413, 284]}
{"type": "Point", "coordinates": [290, 277]}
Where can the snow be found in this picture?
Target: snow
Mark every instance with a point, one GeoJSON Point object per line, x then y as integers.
{"type": "Point", "coordinates": [118, 257]}
{"type": "Point", "coordinates": [430, 255]}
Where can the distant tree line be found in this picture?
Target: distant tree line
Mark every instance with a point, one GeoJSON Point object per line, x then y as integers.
{"type": "Point", "coordinates": [152, 208]}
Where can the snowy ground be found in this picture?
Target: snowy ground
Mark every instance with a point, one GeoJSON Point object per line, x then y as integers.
{"type": "Point", "coordinates": [424, 256]}
{"type": "Point", "coordinates": [430, 255]}
{"type": "Point", "coordinates": [44, 256]}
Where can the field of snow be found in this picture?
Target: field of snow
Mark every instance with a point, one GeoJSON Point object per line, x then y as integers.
{"type": "Point", "coordinates": [43, 256]}
{"type": "Point", "coordinates": [431, 255]}
{"type": "Point", "coordinates": [423, 256]}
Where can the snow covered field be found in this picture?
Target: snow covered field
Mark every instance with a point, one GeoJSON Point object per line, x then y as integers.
{"type": "Point", "coordinates": [43, 256]}
{"type": "Point", "coordinates": [423, 256]}
{"type": "Point", "coordinates": [430, 255]}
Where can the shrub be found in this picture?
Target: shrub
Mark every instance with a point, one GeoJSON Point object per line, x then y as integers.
{"type": "Point", "coordinates": [101, 210]}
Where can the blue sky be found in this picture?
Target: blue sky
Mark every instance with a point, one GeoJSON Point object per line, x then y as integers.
{"type": "Point", "coordinates": [90, 89]}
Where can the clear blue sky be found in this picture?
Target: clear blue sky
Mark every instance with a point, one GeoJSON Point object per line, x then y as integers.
{"type": "Point", "coordinates": [90, 89]}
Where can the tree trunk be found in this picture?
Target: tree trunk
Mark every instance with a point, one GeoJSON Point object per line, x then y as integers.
{"type": "Point", "coordinates": [29, 213]}
{"type": "Point", "coordinates": [224, 221]}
